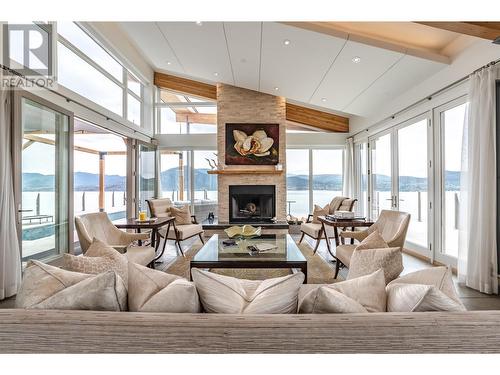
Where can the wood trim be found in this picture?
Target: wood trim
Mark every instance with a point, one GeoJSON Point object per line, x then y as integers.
{"type": "Point", "coordinates": [302, 115]}
{"type": "Point", "coordinates": [185, 86]}
{"type": "Point", "coordinates": [318, 119]}
{"type": "Point", "coordinates": [427, 259]}
{"type": "Point", "coordinates": [330, 29]}
{"type": "Point", "coordinates": [484, 30]}
{"type": "Point", "coordinates": [197, 118]}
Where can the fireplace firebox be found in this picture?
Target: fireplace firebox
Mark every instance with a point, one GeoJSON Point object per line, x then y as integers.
{"type": "Point", "coordinates": [252, 203]}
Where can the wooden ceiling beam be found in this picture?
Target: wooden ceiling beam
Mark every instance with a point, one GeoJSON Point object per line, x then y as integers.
{"type": "Point", "coordinates": [312, 118]}
{"type": "Point", "coordinates": [185, 86]}
{"type": "Point", "coordinates": [317, 119]}
{"type": "Point", "coordinates": [334, 30]}
{"type": "Point", "coordinates": [197, 118]}
{"type": "Point", "coordinates": [484, 30]}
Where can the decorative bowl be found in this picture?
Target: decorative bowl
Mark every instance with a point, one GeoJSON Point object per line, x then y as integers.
{"type": "Point", "coordinates": [245, 231]}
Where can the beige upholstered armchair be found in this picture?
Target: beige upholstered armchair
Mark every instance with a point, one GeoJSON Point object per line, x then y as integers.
{"type": "Point", "coordinates": [178, 232]}
{"type": "Point", "coordinates": [392, 226]}
{"type": "Point", "coordinates": [97, 225]}
{"type": "Point", "coordinates": [313, 229]}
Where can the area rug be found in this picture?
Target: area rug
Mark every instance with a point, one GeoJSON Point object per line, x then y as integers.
{"type": "Point", "coordinates": [318, 270]}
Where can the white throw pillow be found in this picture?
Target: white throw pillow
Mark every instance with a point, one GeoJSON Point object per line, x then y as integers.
{"type": "Point", "coordinates": [49, 287]}
{"type": "Point", "coordinates": [366, 261]}
{"type": "Point", "coordinates": [229, 295]}
{"type": "Point", "coordinates": [419, 297]}
{"type": "Point", "coordinates": [440, 277]}
{"type": "Point", "coordinates": [372, 241]}
{"type": "Point", "coordinates": [367, 291]}
{"type": "Point", "coordinates": [155, 291]}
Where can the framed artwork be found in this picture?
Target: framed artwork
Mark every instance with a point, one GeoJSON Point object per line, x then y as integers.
{"type": "Point", "coordinates": [252, 144]}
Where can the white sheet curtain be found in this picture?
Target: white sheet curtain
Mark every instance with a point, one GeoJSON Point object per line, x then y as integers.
{"type": "Point", "coordinates": [10, 262]}
{"type": "Point", "coordinates": [348, 180]}
{"type": "Point", "coordinates": [477, 263]}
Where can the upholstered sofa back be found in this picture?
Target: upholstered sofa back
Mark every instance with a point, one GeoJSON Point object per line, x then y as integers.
{"type": "Point", "coordinates": [53, 331]}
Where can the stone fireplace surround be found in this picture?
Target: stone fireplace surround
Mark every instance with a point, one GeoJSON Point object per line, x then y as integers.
{"type": "Point", "coordinates": [237, 105]}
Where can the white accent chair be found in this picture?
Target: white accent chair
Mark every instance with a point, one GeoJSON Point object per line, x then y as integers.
{"type": "Point", "coordinates": [98, 225]}
{"type": "Point", "coordinates": [392, 226]}
{"type": "Point", "coordinates": [161, 208]}
{"type": "Point", "coordinates": [313, 230]}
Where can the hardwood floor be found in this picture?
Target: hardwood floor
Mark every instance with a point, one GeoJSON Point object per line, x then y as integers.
{"type": "Point", "coordinates": [472, 299]}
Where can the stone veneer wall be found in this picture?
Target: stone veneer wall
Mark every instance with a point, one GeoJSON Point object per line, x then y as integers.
{"type": "Point", "coordinates": [237, 105]}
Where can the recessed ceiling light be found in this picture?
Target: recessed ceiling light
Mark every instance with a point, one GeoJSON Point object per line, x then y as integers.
{"type": "Point", "coordinates": [199, 23]}
{"type": "Point", "coordinates": [286, 42]}
{"type": "Point", "coordinates": [356, 59]}
{"type": "Point", "coordinates": [323, 99]}
{"type": "Point", "coordinates": [276, 88]}
{"type": "Point", "coordinates": [216, 74]}
{"type": "Point", "coordinates": [169, 63]}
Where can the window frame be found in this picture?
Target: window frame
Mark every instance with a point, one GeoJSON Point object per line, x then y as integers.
{"type": "Point", "coordinates": [125, 73]}
{"type": "Point", "coordinates": [310, 150]}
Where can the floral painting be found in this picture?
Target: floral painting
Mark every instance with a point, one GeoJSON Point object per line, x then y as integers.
{"type": "Point", "coordinates": [252, 144]}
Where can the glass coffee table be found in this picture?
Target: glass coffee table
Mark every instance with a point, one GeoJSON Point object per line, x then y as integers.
{"type": "Point", "coordinates": [286, 254]}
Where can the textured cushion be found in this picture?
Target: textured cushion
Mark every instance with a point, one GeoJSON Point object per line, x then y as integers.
{"type": "Point", "coordinates": [156, 291]}
{"type": "Point", "coordinates": [98, 258]}
{"type": "Point", "coordinates": [318, 211]}
{"type": "Point", "coordinates": [313, 230]}
{"type": "Point", "coordinates": [49, 287]}
{"type": "Point", "coordinates": [229, 295]}
{"type": "Point", "coordinates": [347, 205]}
{"type": "Point", "coordinates": [182, 215]}
{"type": "Point", "coordinates": [419, 297]}
{"type": "Point", "coordinates": [185, 231]}
{"type": "Point", "coordinates": [335, 204]}
{"type": "Point", "coordinates": [142, 255]}
{"type": "Point", "coordinates": [328, 300]}
{"type": "Point", "coordinates": [365, 262]}
{"type": "Point", "coordinates": [372, 241]}
{"type": "Point", "coordinates": [440, 277]}
{"type": "Point", "coordinates": [344, 253]}
{"type": "Point", "coordinates": [368, 291]}
{"type": "Point", "coordinates": [161, 207]}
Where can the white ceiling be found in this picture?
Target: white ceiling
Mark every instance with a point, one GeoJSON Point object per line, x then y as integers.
{"type": "Point", "coordinates": [315, 68]}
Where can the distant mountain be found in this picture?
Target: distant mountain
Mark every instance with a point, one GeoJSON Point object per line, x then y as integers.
{"type": "Point", "coordinates": [203, 181]}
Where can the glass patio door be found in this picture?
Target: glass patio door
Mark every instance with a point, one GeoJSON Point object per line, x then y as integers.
{"type": "Point", "coordinates": [400, 175]}
{"type": "Point", "coordinates": [381, 174]}
{"type": "Point", "coordinates": [413, 171]}
{"type": "Point", "coordinates": [43, 178]}
{"type": "Point", "coordinates": [146, 173]}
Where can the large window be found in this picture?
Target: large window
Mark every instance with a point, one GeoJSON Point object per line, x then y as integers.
{"type": "Point", "coordinates": [327, 168]}
{"type": "Point", "coordinates": [452, 121]}
{"type": "Point", "coordinates": [313, 177]}
{"type": "Point", "coordinates": [297, 182]}
{"type": "Point", "coordinates": [182, 114]}
{"type": "Point", "coordinates": [96, 152]}
{"type": "Point", "coordinates": [90, 71]}
{"type": "Point", "coordinates": [184, 179]}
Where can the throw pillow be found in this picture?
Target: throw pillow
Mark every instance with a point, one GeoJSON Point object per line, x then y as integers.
{"type": "Point", "coordinates": [97, 259]}
{"type": "Point", "coordinates": [419, 297]}
{"type": "Point", "coordinates": [367, 291]}
{"type": "Point", "coordinates": [365, 262]}
{"type": "Point", "coordinates": [155, 291]}
{"type": "Point", "coordinates": [229, 295]}
{"type": "Point", "coordinates": [182, 215]}
{"type": "Point", "coordinates": [372, 241]}
{"type": "Point", "coordinates": [440, 277]}
{"type": "Point", "coordinates": [327, 300]}
{"type": "Point", "coordinates": [49, 287]}
{"type": "Point", "coordinates": [318, 211]}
